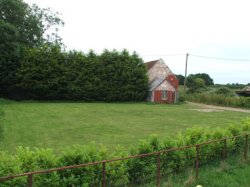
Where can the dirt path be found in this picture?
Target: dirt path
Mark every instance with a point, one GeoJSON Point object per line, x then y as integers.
{"type": "Point", "coordinates": [219, 107]}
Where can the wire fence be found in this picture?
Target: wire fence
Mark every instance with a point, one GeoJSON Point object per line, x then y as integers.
{"type": "Point", "coordinates": [198, 156]}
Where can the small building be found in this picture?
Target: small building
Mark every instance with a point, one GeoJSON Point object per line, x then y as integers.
{"type": "Point", "coordinates": [244, 92]}
{"type": "Point", "coordinates": [163, 84]}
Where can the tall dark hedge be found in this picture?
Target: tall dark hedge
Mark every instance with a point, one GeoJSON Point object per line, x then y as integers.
{"type": "Point", "coordinates": [47, 73]}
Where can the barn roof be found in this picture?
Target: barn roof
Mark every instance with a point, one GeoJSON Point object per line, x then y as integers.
{"type": "Point", "coordinates": [244, 92]}
{"type": "Point", "coordinates": [155, 83]}
{"type": "Point", "coordinates": [247, 88]}
{"type": "Point", "coordinates": [150, 64]}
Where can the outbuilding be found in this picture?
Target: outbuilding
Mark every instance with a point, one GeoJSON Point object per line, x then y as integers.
{"type": "Point", "coordinates": [244, 92]}
{"type": "Point", "coordinates": [163, 84]}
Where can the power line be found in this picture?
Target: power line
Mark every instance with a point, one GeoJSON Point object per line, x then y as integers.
{"type": "Point", "coordinates": [201, 56]}
{"type": "Point", "coordinates": [166, 55]}
{"type": "Point", "coordinates": [219, 58]}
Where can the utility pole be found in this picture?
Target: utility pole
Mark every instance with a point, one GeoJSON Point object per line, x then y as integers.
{"type": "Point", "coordinates": [185, 80]}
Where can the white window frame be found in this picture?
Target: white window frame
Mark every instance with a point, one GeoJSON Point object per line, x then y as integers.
{"type": "Point", "coordinates": [164, 95]}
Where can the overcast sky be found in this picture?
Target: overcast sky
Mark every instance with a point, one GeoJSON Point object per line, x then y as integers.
{"type": "Point", "coordinates": [161, 28]}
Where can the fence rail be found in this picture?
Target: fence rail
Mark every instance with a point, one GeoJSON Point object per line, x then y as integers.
{"type": "Point", "coordinates": [197, 147]}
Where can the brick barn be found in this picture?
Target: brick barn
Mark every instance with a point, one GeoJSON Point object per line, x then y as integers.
{"type": "Point", "coordinates": [163, 84]}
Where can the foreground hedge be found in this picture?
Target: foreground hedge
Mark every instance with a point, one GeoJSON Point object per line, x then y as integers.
{"type": "Point", "coordinates": [120, 172]}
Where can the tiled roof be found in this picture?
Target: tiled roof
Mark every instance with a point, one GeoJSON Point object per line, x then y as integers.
{"type": "Point", "coordinates": [150, 64]}
{"type": "Point", "coordinates": [244, 92]}
{"type": "Point", "coordinates": [247, 88]}
{"type": "Point", "coordinates": [155, 83]}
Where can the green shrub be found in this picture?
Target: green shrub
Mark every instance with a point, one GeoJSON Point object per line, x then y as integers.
{"type": "Point", "coordinates": [117, 172]}
{"type": "Point", "coordinates": [174, 160]}
{"type": "Point", "coordinates": [219, 99]}
{"type": "Point", "coordinates": [140, 168]}
{"type": "Point", "coordinates": [9, 165]}
{"type": "Point", "coordinates": [224, 91]}
{"type": "Point", "coordinates": [38, 159]}
{"type": "Point", "coordinates": [80, 155]}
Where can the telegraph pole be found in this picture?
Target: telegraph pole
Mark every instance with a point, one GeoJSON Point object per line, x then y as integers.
{"type": "Point", "coordinates": [185, 80]}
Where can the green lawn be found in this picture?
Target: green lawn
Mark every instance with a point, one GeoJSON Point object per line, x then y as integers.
{"type": "Point", "coordinates": [58, 125]}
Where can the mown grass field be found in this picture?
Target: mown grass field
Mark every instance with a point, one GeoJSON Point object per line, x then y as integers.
{"type": "Point", "coordinates": [56, 125]}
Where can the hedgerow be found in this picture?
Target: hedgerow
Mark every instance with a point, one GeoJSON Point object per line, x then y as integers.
{"type": "Point", "coordinates": [49, 73]}
{"type": "Point", "coordinates": [1, 120]}
{"type": "Point", "coordinates": [219, 99]}
{"type": "Point", "coordinates": [132, 170]}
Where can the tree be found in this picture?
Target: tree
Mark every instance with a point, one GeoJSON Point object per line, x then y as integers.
{"type": "Point", "coordinates": [30, 23]}
{"type": "Point", "coordinates": [22, 26]}
{"type": "Point", "coordinates": [195, 84]}
{"type": "Point", "coordinates": [9, 55]}
{"type": "Point", "coordinates": [181, 79]}
{"type": "Point", "coordinates": [208, 80]}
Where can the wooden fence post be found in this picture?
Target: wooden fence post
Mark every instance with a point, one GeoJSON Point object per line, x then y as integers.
{"type": "Point", "coordinates": [246, 147]}
{"type": "Point", "coordinates": [224, 155]}
{"type": "Point", "coordinates": [158, 169]}
{"type": "Point", "coordinates": [29, 180]}
{"type": "Point", "coordinates": [104, 174]}
{"type": "Point", "coordinates": [197, 161]}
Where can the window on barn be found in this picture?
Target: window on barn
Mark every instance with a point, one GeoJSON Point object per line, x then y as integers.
{"type": "Point", "coordinates": [164, 95]}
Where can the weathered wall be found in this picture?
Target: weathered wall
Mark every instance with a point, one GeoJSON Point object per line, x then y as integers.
{"type": "Point", "coordinates": [173, 80]}
{"type": "Point", "coordinates": [157, 97]}
{"type": "Point", "coordinates": [159, 70]}
{"type": "Point", "coordinates": [165, 85]}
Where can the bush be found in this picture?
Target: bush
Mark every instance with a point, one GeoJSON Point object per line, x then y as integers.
{"type": "Point", "coordinates": [195, 85]}
{"type": "Point", "coordinates": [117, 172]}
{"type": "Point", "coordinates": [9, 165]}
{"type": "Point", "coordinates": [79, 155]}
{"type": "Point", "coordinates": [173, 161]}
{"type": "Point", "coordinates": [139, 169]}
{"type": "Point", "coordinates": [224, 91]}
{"type": "Point", "coordinates": [219, 99]}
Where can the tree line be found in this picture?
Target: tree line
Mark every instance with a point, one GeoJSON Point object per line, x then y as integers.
{"type": "Point", "coordinates": [196, 82]}
{"type": "Point", "coordinates": [206, 78]}
{"type": "Point", "coordinates": [34, 64]}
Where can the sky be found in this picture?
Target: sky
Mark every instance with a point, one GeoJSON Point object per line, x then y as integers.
{"type": "Point", "coordinates": [167, 29]}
